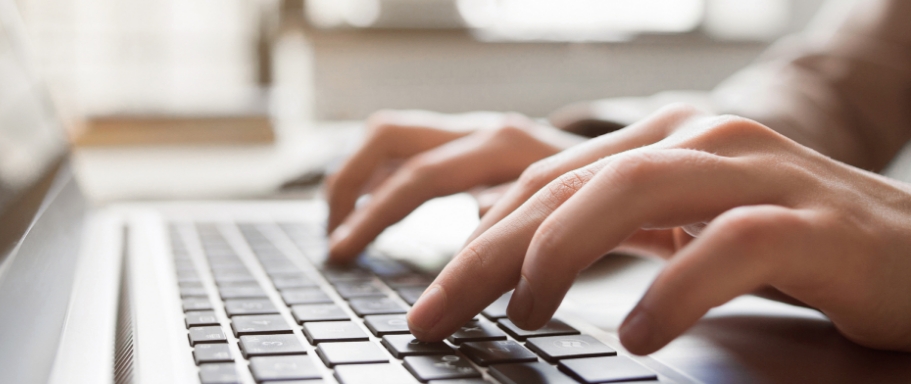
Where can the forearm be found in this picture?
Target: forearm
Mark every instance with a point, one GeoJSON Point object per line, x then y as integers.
{"type": "Point", "coordinates": [845, 95]}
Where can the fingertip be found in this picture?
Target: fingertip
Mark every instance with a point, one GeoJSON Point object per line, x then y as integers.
{"type": "Point", "coordinates": [639, 333]}
{"type": "Point", "coordinates": [426, 314]}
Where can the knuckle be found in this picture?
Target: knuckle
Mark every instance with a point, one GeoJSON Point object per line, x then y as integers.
{"type": "Point", "coordinates": [420, 170]}
{"type": "Point", "coordinates": [536, 176]}
{"type": "Point", "coordinates": [736, 127]}
{"type": "Point", "coordinates": [511, 132]}
{"type": "Point", "coordinates": [751, 227]}
{"type": "Point", "coordinates": [638, 167]}
{"type": "Point", "coordinates": [564, 187]}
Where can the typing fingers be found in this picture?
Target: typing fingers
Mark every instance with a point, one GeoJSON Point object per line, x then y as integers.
{"type": "Point", "coordinates": [739, 252]}
{"type": "Point", "coordinates": [483, 158]}
{"type": "Point", "coordinates": [644, 188]}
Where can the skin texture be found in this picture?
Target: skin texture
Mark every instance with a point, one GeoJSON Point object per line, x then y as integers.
{"type": "Point", "coordinates": [774, 216]}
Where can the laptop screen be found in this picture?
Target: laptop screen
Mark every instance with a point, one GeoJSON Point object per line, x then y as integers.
{"type": "Point", "coordinates": [31, 138]}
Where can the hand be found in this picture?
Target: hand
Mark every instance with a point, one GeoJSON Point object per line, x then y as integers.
{"type": "Point", "coordinates": [410, 157]}
{"type": "Point", "coordinates": [779, 215]}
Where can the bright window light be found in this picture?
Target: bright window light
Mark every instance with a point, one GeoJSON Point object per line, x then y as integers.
{"type": "Point", "coordinates": [579, 19]}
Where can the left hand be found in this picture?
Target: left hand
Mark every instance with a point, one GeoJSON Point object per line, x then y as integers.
{"type": "Point", "coordinates": [778, 215]}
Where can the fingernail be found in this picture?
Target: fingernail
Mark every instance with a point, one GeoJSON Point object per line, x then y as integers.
{"type": "Point", "coordinates": [338, 235]}
{"type": "Point", "coordinates": [521, 303]}
{"type": "Point", "coordinates": [428, 310]}
{"type": "Point", "coordinates": [636, 332]}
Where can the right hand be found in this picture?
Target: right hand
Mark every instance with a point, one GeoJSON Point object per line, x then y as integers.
{"type": "Point", "coordinates": [410, 157]}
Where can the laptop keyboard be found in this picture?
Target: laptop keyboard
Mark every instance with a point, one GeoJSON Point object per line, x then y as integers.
{"type": "Point", "coordinates": [282, 316]}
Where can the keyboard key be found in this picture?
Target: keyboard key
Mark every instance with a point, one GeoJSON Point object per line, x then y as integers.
{"type": "Point", "coordinates": [497, 309]}
{"type": "Point", "coordinates": [376, 306]}
{"type": "Point", "coordinates": [332, 331]}
{"type": "Point", "coordinates": [230, 272]}
{"type": "Point", "coordinates": [407, 280]}
{"type": "Point", "coordinates": [271, 368]}
{"type": "Point", "coordinates": [529, 373]}
{"type": "Point", "coordinates": [305, 296]}
{"type": "Point", "coordinates": [241, 292]}
{"type": "Point", "coordinates": [554, 348]}
{"type": "Point", "coordinates": [382, 325]}
{"type": "Point", "coordinates": [411, 294]}
{"type": "Point", "coordinates": [373, 374]}
{"type": "Point", "coordinates": [351, 289]}
{"type": "Point", "coordinates": [485, 353]}
{"type": "Point", "coordinates": [440, 367]}
{"type": "Point", "coordinates": [459, 381]}
{"type": "Point", "coordinates": [196, 304]}
{"type": "Point", "coordinates": [553, 327]}
{"type": "Point", "coordinates": [234, 280]}
{"type": "Point", "coordinates": [361, 352]}
{"type": "Point", "coordinates": [266, 345]}
{"type": "Point", "coordinates": [221, 373]}
{"type": "Point", "coordinates": [259, 324]}
{"type": "Point", "coordinates": [193, 291]}
{"type": "Point", "coordinates": [406, 345]}
{"type": "Point", "coordinates": [318, 312]}
{"type": "Point", "coordinates": [476, 331]}
{"type": "Point", "coordinates": [337, 275]}
{"type": "Point", "coordinates": [189, 279]}
{"type": "Point", "coordinates": [606, 369]}
{"type": "Point", "coordinates": [212, 353]}
{"type": "Point", "coordinates": [200, 318]}
{"type": "Point", "coordinates": [199, 335]}
{"type": "Point", "coordinates": [249, 307]}
{"type": "Point", "coordinates": [383, 266]}
{"type": "Point", "coordinates": [292, 281]}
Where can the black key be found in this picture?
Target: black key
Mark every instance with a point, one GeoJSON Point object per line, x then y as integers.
{"type": "Point", "coordinates": [318, 312]}
{"type": "Point", "coordinates": [376, 306]}
{"type": "Point", "coordinates": [351, 289]}
{"type": "Point", "coordinates": [259, 325]}
{"type": "Point", "coordinates": [334, 275]}
{"type": "Point", "coordinates": [407, 280]}
{"type": "Point", "coordinates": [305, 296]}
{"type": "Point", "coordinates": [382, 325]}
{"type": "Point", "coordinates": [193, 291]}
{"type": "Point", "coordinates": [196, 304]}
{"type": "Point", "coordinates": [440, 367]}
{"type": "Point", "coordinates": [292, 281]}
{"type": "Point", "coordinates": [497, 309]}
{"type": "Point", "coordinates": [476, 331]}
{"type": "Point", "coordinates": [606, 369]}
{"type": "Point", "coordinates": [373, 374]}
{"type": "Point", "coordinates": [266, 345]}
{"type": "Point", "coordinates": [529, 373]}
{"type": "Point", "coordinates": [200, 318]}
{"type": "Point", "coordinates": [212, 334]}
{"type": "Point", "coordinates": [553, 327]}
{"type": "Point", "coordinates": [212, 353]}
{"type": "Point", "coordinates": [554, 348]}
{"type": "Point", "coordinates": [361, 352]}
{"type": "Point", "coordinates": [249, 307]}
{"type": "Point", "coordinates": [332, 331]}
{"type": "Point", "coordinates": [485, 353]}
{"type": "Point", "coordinates": [383, 266]}
{"type": "Point", "coordinates": [221, 373]}
{"type": "Point", "coordinates": [411, 294]}
{"type": "Point", "coordinates": [241, 292]}
{"type": "Point", "coordinates": [406, 345]}
{"type": "Point", "coordinates": [270, 368]}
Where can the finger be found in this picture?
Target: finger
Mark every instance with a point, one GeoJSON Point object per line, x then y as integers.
{"type": "Point", "coordinates": [487, 197]}
{"type": "Point", "coordinates": [386, 141]}
{"type": "Point", "coordinates": [644, 188]}
{"type": "Point", "coordinates": [738, 253]}
{"type": "Point", "coordinates": [645, 132]}
{"type": "Point", "coordinates": [486, 268]}
{"type": "Point", "coordinates": [450, 168]}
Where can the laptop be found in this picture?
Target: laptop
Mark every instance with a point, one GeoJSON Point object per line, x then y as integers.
{"type": "Point", "coordinates": [237, 292]}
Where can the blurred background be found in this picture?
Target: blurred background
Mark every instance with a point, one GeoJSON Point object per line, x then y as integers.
{"type": "Point", "coordinates": [274, 89]}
